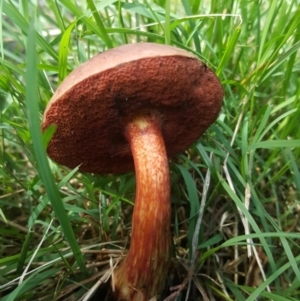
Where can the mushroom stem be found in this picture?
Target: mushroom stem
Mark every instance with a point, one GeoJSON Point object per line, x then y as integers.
{"type": "Point", "coordinates": [143, 272]}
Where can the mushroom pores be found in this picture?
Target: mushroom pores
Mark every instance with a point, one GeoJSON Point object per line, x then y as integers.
{"type": "Point", "coordinates": [91, 104]}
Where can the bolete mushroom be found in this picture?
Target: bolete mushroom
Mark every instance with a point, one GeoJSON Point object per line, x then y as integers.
{"type": "Point", "coordinates": [130, 108]}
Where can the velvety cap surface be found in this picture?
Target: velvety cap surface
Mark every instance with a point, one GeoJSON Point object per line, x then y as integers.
{"type": "Point", "coordinates": [92, 104]}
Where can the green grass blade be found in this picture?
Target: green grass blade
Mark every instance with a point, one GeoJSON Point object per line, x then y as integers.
{"type": "Point", "coordinates": [266, 30]}
{"type": "Point", "coordinates": [63, 52]}
{"type": "Point", "coordinates": [102, 33]}
{"type": "Point", "coordinates": [231, 44]}
{"type": "Point", "coordinates": [36, 134]}
{"type": "Point", "coordinates": [193, 199]}
{"type": "Point", "coordinates": [167, 23]}
{"type": "Point", "coordinates": [100, 24]}
{"type": "Point", "coordinates": [1, 34]}
{"type": "Point", "coordinates": [188, 11]}
{"type": "Point", "coordinates": [275, 144]}
{"type": "Point", "coordinates": [29, 284]}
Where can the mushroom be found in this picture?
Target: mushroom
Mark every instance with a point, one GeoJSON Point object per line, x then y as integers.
{"type": "Point", "coordinates": [128, 108]}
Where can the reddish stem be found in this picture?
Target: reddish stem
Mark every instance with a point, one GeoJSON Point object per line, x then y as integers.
{"type": "Point", "coordinates": [143, 272]}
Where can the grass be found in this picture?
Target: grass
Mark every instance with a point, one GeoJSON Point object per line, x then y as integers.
{"type": "Point", "coordinates": [235, 192]}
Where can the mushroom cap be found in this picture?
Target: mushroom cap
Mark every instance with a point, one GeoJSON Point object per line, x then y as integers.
{"type": "Point", "coordinates": [92, 105]}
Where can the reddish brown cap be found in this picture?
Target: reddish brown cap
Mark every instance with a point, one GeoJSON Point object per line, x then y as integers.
{"type": "Point", "coordinates": [91, 104]}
